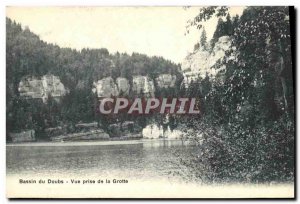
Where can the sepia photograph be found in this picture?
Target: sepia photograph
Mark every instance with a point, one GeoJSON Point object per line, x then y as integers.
{"type": "Point", "coordinates": [150, 102]}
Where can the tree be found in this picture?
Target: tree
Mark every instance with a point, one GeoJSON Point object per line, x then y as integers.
{"type": "Point", "coordinates": [203, 40]}
{"type": "Point", "coordinates": [220, 31]}
{"type": "Point", "coordinates": [228, 27]}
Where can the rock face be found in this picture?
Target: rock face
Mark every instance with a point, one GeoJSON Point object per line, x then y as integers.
{"type": "Point", "coordinates": [24, 136]}
{"type": "Point", "coordinates": [125, 130]}
{"type": "Point", "coordinates": [108, 87]}
{"type": "Point", "coordinates": [153, 132]}
{"type": "Point", "coordinates": [166, 81]}
{"type": "Point", "coordinates": [196, 64]}
{"type": "Point", "coordinates": [201, 62]}
{"type": "Point", "coordinates": [55, 131]}
{"type": "Point", "coordinates": [91, 135]}
{"type": "Point", "coordinates": [83, 131]}
{"type": "Point", "coordinates": [123, 86]}
{"type": "Point", "coordinates": [143, 84]}
{"type": "Point", "coordinates": [47, 85]}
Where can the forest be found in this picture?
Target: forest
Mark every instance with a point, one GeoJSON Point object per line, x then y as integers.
{"type": "Point", "coordinates": [28, 55]}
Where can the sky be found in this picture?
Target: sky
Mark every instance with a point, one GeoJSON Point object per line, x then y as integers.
{"type": "Point", "coordinates": [154, 31]}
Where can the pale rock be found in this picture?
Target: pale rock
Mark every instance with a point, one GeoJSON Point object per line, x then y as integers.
{"type": "Point", "coordinates": [23, 136]}
{"type": "Point", "coordinates": [166, 81]}
{"type": "Point", "coordinates": [123, 85]}
{"type": "Point", "coordinates": [173, 134]}
{"type": "Point", "coordinates": [96, 134]}
{"type": "Point", "coordinates": [47, 85]}
{"type": "Point", "coordinates": [143, 84]}
{"type": "Point", "coordinates": [202, 62]}
{"type": "Point", "coordinates": [106, 87]}
{"type": "Point", "coordinates": [152, 132]}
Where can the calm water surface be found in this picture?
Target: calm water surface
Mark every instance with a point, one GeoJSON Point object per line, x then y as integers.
{"type": "Point", "coordinates": [141, 159]}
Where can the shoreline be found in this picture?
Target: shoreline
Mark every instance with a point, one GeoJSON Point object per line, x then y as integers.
{"type": "Point", "coordinates": [89, 143]}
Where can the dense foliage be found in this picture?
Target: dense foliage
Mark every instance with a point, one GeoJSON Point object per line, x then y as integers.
{"type": "Point", "coordinates": [247, 130]}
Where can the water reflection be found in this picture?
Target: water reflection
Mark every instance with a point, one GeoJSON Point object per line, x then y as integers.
{"type": "Point", "coordinates": [134, 159]}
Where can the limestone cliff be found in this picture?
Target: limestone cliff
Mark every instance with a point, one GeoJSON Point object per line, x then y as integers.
{"type": "Point", "coordinates": [153, 131]}
{"type": "Point", "coordinates": [166, 81]}
{"type": "Point", "coordinates": [143, 84]}
{"type": "Point", "coordinates": [42, 88]}
{"type": "Point", "coordinates": [23, 136]}
{"type": "Point", "coordinates": [123, 86]}
{"type": "Point", "coordinates": [202, 62]}
{"type": "Point", "coordinates": [107, 87]}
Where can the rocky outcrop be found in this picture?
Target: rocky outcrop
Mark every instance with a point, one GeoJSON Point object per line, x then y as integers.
{"type": "Point", "coordinates": [143, 85]}
{"type": "Point", "coordinates": [31, 87]}
{"type": "Point", "coordinates": [125, 130]}
{"type": "Point", "coordinates": [108, 87]}
{"type": "Point", "coordinates": [166, 81]}
{"type": "Point", "coordinates": [42, 88]}
{"type": "Point", "coordinates": [202, 62]}
{"type": "Point", "coordinates": [91, 135]}
{"type": "Point", "coordinates": [55, 131]}
{"type": "Point", "coordinates": [174, 134]}
{"type": "Point", "coordinates": [87, 125]}
{"type": "Point", "coordinates": [24, 136]}
{"type": "Point", "coordinates": [123, 86]}
{"type": "Point", "coordinates": [196, 64]}
{"type": "Point", "coordinates": [81, 131]}
{"type": "Point", "coordinates": [153, 132]}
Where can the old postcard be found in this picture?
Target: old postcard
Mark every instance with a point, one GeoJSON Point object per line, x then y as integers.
{"type": "Point", "coordinates": [150, 102]}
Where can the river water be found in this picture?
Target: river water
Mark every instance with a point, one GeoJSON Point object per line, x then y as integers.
{"type": "Point", "coordinates": [151, 167]}
{"type": "Point", "coordinates": [141, 159]}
